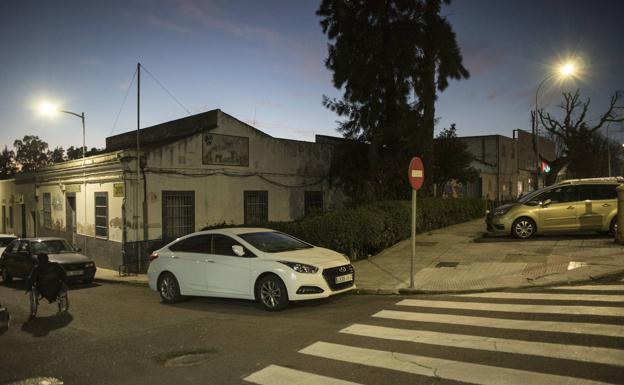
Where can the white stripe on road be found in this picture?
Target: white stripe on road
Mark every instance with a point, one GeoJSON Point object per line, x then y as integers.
{"type": "Point", "coordinates": [501, 323]}
{"type": "Point", "coordinates": [567, 352]}
{"type": "Point", "coordinates": [553, 296]}
{"type": "Point", "coordinates": [438, 368]}
{"type": "Point", "coordinates": [279, 375]}
{"type": "Point", "coordinates": [591, 287]}
{"type": "Point", "coordinates": [550, 309]}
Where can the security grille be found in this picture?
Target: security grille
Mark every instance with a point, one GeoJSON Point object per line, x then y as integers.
{"type": "Point", "coordinates": [178, 213]}
{"type": "Point", "coordinates": [47, 210]}
{"type": "Point", "coordinates": [313, 202]}
{"type": "Point", "coordinates": [101, 214]}
{"type": "Point", "coordinates": [256, 207]}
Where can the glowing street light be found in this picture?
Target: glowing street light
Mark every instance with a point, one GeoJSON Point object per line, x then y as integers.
{"type": "Point", "coordinates": [564, 71]}
{"type": "Point", "coordinates": [49, 109]}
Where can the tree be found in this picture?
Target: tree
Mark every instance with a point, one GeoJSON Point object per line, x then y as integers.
{"type": "Point", "coordinates": [31, 153]}
{"type": "Point", "coordinates": [451, 159]}
{"type": "Point", "coordinates": [8, 166]}
{"type": "Point", "coordinates": [389, 57]}
{"type": "Point", "coordinates": [572, 134]}
{"type": "Point", "coordinates": [74, 153]}
{"type": "Point", "coordinates": [57, 155]}
{"type": "Point", "coordinates": [593, 160]}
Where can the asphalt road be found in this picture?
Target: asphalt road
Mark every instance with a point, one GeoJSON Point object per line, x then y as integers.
{"type": "Point", "coordinates": [121, 334]}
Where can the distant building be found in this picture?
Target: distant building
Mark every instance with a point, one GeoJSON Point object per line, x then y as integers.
{"type": "Point", "coordinates": [202, 170]}
{"type": "Point", "coordinates": [507, 166]}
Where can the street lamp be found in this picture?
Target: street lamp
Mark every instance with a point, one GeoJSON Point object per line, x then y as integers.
{"type": "Point", "coordinates": [50, 109]}
{"type": "Point", "coordinates": [564, 71]}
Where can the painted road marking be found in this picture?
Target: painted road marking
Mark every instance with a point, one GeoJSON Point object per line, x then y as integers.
{"type": "Point", "coordinates": [438, 368]}
{"type": "Point", "coordinates": [279, 375]}
{"type": "Point", "coordinates": [567, 352]}
{"type": "Point", "coordinates": [550, 309]}
{"type": "Point", "coordinates": [501, 323]}
{"type": "Point", "coordinates": [592, 287]}
{"type": "Point", "coordinates": [553, 296]}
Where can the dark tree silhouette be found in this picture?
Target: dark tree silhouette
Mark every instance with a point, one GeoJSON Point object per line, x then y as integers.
{"type": "Point", "coordinates": [31, 153]}
{"type": "Point", "coordinates": [389, 58]}
{"type": "Point", "coordinates": [451, 159]}
{"type": "Point", "coordinates": [57, 155]}
{"type": "Point", "coordinates": [573, 133]}
{"type": "Point", "coordinates": [8, 165]}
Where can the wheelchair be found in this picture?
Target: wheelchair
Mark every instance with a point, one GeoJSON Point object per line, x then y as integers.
{"type": "Point", "coordinates": [62, 299]}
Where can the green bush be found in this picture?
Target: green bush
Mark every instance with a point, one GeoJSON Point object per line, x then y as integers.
{"type": "Point", "coordinates": [366, 230]}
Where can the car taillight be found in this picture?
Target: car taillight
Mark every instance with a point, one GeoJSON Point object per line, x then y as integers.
{"type": "Point", "coordinates": [153, 256]}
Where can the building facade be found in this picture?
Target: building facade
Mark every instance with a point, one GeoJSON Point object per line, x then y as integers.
{"type": "Point", "coordinates": [507, 166]}
{"type": "Point", "coordinates": [203, 170]}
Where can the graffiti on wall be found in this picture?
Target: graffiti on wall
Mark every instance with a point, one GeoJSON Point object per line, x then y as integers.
{"type": "Point", "coordinates": [225, 150]}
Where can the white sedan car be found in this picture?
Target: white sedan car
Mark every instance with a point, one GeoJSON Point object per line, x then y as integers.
{"type": "Point", "coordinates": [250, 263]}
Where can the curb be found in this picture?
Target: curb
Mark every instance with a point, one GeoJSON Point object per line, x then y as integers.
{"type": "Point", "coordinates": [121, 281]}
{"type": "Point", "coordinates": [561, 282]}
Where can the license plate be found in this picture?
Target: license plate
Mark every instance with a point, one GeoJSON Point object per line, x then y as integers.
{"type": "Point", "coordinates": [74, 272]}
{"type": "Point", "coordinates": [344, 278]}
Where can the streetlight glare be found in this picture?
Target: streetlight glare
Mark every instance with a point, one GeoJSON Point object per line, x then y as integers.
{"type": "Point", "coordinates": [48, 108]}
{"type": "Point", "coordinates": [568, 69]}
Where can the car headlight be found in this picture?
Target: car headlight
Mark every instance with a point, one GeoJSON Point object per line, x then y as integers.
{"type": "Point", "coordinates": [89, 264]}
{"type": "Point", "coordinates": [500, 211]}
{"type": "Point", "coordinates": [300, 267]}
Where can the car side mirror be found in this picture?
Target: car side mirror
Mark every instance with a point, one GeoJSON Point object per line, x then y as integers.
{"type": "Point", "coordinates": [238, 250]}
{"type": "Point", "coordinates": [546, 202]}
{"type": "Point", "coordinates": [533, 203]}
{"type": "Point", "coordinates": [77, 249]}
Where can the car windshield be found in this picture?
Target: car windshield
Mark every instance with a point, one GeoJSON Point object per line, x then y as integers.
{"type": "Point", "coordinates": [274, 242]}
{"type": "Point", "coordinates": [4, 241]}
{"type": "Point", "coordinates": [52, 246]}
{"type": "Point", "coordinates": [530, 196]}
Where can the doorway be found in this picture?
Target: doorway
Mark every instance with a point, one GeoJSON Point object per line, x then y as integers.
{"type": "Point", "coordinates": [23, 216]}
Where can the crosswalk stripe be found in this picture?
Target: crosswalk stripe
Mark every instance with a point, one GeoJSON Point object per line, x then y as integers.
{"type": "Point", "coordinates": [548, 296]}
{"type": "Point", "coordinates": [501, 323]}
{"type": "Point", "coordinates": [279, 375]}
{"type": "Point", "coordinates": [568, 352]}
{"type": "Point", "coordinates": [438, 368]}
{"type": "Point", "coordinates": [591, 287]}
{"type": "Point", "coordinates": [550, 309]}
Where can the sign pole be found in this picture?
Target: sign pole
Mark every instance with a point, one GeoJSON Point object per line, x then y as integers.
{"type": "Point", "coordinates": [414, 192]}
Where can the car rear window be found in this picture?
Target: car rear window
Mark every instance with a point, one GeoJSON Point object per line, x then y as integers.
{"type": "Point", "coordinates": [597, 192]}
{"type": "Point", "coordinates": [4, 241]}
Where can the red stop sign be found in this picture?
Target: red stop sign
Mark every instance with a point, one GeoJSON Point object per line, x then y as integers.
{"type": "Point", "coordinates": [416, 173]}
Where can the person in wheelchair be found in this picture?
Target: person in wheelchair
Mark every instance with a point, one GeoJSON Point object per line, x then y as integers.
{"type": "Point", "coordinates": [47, 280]}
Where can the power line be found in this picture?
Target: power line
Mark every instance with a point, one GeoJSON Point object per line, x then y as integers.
{"type": "Point", "coordinates": [167, 91]}
{"type": "Point", "coordinates": [123, 103]}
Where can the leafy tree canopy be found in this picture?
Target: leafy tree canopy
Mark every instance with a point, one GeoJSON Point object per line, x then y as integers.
{"type": "Point", "coordinates": [31, 152]}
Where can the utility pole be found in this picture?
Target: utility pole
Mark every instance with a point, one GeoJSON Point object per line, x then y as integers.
{"type": "Point", "coordinates": [138, 167]}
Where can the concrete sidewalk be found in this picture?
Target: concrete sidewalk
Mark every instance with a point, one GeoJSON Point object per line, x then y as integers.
{"type": "Point", "coordinates": [108, 275]}
{"type": "Point", "coordinates": [462, 258]}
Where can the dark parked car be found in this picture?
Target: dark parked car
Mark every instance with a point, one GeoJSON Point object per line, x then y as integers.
{"type": "Point", "coordinates": [20, 256]}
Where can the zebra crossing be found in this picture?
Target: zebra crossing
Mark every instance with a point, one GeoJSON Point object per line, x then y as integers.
{"type": "Point", "coordinates": [556, 336]}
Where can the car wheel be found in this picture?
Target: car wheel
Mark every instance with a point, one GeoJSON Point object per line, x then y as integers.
{"type": "Point", "coordinates": [523, 228]}
{"type": "Point", "coordinates": [6, 276]}
{"type": "Point", "coordinates": [272, 294]}
{"type": "Point", "coordinates": [168, 288]}
{"type": "Point", "coordinates": [613, 227]}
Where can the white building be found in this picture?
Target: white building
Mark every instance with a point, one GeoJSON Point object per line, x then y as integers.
{"type": "Point", "coordinates": [198, 171]}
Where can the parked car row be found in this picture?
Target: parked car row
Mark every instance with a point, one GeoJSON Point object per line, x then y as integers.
{"type": "Point", "coordinates": [20, 255]}
{"type": "Point", "coordinates": [569, 206]}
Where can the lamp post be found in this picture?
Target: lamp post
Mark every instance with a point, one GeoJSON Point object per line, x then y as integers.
{"type": "Point", "coordinates": [565, 70]}
{"type": "Point", "coordinates": [50, 109]}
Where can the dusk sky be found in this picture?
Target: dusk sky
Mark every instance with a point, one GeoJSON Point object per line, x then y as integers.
{"type": "Point", "coordinates": [262, 62]}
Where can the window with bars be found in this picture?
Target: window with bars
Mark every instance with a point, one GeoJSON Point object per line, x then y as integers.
{"type": "Point", "coordinates": [312, 202]}
{"type": "Point", "coordinates": [101, 214]}
{"type": "Point", "coordinates": [256, 207]}
{"type": "Point", "coordinates": [178, 213]}
{"type": "Point", "coordinates": [47, 210]}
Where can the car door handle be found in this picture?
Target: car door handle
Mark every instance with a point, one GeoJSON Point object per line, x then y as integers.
{"type": "Point", "coordinates": [606, 205]}
{"type": "Point", "coordinates": [209, 261]}
{"type": "Point", "coordinates": [174, 257]}
{"type": "Point", "coordinates": [570, 207]}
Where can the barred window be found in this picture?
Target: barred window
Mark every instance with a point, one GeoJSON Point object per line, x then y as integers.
{"type": "Point", "coordinates": [101, 214]}
{"type": "Point", "coordinates": [178, 214]}
{"type": "Point", "coordinates": [11, 216]}
{"type": "Point", "coordinates": [312, 202]}
{"type": "Point", "coordinates": [47, 210]}
{"type": "Point", "coordinates": [256, 207]}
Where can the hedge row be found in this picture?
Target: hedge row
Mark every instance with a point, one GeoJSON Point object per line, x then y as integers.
{"type": "Point", "coordinates": [365, 230]}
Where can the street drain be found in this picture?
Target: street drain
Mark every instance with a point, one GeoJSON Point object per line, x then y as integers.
{"type": "Point", "coordinates": [190, 358]}
{"type": "Point", "coordinates": [447, 264]}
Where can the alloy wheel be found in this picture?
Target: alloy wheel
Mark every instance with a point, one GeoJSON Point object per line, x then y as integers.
{"type": "Point", "coordinates": [270, 294]}
{"type": "Point", "coordinates": [168, 288]}
{"type": "Point", "coordinates": [524, 229]}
